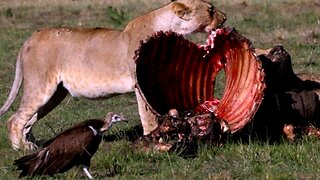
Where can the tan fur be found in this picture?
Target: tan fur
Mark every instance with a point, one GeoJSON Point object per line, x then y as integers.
{"type": "Point", "coordinates": [262, 51]}
{"type": "Point", "coordinates": [93, 63]}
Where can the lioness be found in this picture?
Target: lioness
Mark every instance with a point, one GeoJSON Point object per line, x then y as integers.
{"type": "Point", "coordinates": [93, 63]}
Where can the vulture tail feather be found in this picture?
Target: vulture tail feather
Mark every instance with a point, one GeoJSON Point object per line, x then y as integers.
{"type": "Point", "coordinates": [30, 164]}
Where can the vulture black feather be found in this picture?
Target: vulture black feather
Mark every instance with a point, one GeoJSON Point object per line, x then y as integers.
{"type": "Point", "coordinates": [73, 147]}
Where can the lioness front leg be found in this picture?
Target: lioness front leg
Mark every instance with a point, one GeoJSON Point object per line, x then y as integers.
{"type": "Point", "coordinates": [148, 119]}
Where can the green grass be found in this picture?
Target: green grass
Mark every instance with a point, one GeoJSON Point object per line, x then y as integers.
{"type": "Point", "coordinates": [295, 24]}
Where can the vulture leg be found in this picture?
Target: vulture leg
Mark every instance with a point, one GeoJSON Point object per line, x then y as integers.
{"type": "Point", "coordinates": [86, 171]}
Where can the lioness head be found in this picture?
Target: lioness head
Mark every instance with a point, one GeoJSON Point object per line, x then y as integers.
{"type": "Point", "coordinates": [198, 15]}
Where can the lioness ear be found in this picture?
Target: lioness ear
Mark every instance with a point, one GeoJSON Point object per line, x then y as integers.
{"type": "Point", "coordinates": [181, 10]}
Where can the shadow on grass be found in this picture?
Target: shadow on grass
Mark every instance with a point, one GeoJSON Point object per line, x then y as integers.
{"type": "Point", "coordinates": [135, 135]}
{"type": "Point", "coordinates": [131, 134]}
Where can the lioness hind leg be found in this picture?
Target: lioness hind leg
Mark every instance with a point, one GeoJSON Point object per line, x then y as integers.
{"type": "Point", "coordinates": [27, 114]}
{"type": "Point", "coordinates": [15, 127]}
{"type": "Point", "coordinates": [55, 100]}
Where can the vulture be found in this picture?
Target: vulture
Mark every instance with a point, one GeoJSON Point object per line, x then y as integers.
{"type": "Point", "coordinates": [72, 147]}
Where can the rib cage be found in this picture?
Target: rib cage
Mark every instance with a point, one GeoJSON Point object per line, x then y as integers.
{"type": "Point", "coordinates": [173, 72]}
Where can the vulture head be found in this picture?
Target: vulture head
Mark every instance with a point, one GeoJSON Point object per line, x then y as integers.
{"type": "Point", "coordinates": [110, 119]}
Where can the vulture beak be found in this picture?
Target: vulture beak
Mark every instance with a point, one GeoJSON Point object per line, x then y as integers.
{"type": "Point", "coordinates": [123, 118]}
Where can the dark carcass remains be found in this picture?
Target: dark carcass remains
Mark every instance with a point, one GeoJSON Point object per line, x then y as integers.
{"type": "Point", "coordinates": [176, 75]}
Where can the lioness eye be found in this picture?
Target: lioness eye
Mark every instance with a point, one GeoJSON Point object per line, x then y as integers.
{"type": "Point", "coordinates": [211, 10]}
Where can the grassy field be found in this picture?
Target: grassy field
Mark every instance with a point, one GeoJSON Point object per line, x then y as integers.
{"type": "Point", "coordinates": [292, 23]}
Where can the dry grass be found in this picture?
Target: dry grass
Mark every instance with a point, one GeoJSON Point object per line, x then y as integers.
{"type": "Point", "coordinates": [46, 3]}
{"type": "Point", "coordinates": [16, 3]}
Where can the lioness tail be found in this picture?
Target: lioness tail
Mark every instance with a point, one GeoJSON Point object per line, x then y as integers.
{"type": "Point", "coordinates": [15, 86]}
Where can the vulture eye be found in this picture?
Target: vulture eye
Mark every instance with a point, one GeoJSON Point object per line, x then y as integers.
{"type": "Point", "coordinates": [116, 118]}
